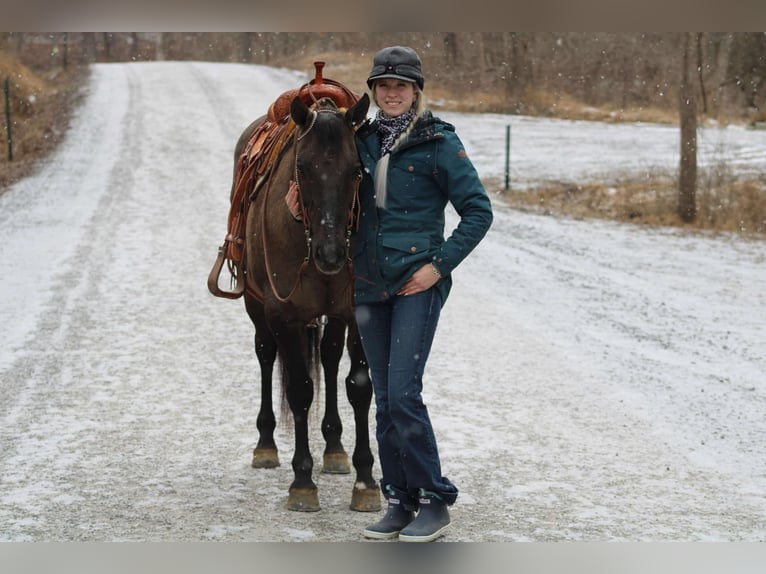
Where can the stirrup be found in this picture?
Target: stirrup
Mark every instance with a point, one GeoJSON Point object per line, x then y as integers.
{"type": "Point", "coordinates": [215, 273]}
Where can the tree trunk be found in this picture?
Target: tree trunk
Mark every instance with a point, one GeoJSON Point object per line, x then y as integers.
{"type": "Point", "coordinates": [246, 46]}
{"type": "Point", "coordinates": [159, 45]}
{"type": "Point", "coordinates": [134, 50]}
{"type": "Point", "coordinates": [700, 73]}
{"type": "Point", "coordinates": [108, 46]}
{"type": "Point", "coordinates": [451, 49]}
{"type": "Point", "coordinates": [89, 47]}
{"type": "Point", "coordinates": [687, 182]}
{"type": "Point", "coordinates": [482, 59]}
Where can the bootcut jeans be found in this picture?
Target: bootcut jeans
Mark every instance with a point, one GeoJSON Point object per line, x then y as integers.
{"type": "Point", "coordinates": [396, 337]}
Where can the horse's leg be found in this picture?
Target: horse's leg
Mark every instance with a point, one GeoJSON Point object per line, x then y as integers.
{"type": "Point", "coordinates": [265, 454]}
{"type": "Point", "coordinates": [365, 496]}
{"type": "Point", "coordinates": [299, 389]}
{"type": "Point", "coordinates": [335, 460]}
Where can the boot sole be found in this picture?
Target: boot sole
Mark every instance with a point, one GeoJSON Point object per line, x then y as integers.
{"type": "Point", "coordinates": [424, 537]}
{"type": "Point", "coordinates": [380, 535]}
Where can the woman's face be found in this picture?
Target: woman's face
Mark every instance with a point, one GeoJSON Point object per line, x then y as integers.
{"type": "Point", "coordinates": [394, 97]}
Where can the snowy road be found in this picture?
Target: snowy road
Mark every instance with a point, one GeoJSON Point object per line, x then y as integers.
{"type": "Point", "coordinates": [589, 381]}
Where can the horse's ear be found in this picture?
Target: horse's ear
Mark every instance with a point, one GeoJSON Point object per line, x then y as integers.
{"type": "Point", "coordinates": [357, 113]}
{"type": "Point", "coordinates": [299, 111]}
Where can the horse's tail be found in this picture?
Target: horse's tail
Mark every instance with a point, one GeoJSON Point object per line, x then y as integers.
{"type": "Point", "coordinates": [311, 351]}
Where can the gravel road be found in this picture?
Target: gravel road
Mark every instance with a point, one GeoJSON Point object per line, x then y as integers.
{"type": "Point", "coordinates": [589, 381]}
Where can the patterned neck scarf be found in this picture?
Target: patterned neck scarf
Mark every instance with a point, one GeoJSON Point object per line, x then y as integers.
{"type": "Point", "coordinates": [391, 128]}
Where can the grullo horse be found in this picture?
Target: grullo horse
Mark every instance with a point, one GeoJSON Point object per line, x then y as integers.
{"type": "Point", "coordinates": [299, 283]}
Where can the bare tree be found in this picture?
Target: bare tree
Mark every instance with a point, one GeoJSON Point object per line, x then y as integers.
{"type": "Point", "coordinates": [451, 49]}
{"type": "Point", "coordinates": [246, 46]}
{"type": "Point", "coordinates": [159, 45]}
{"type": "Point", "coordinates": [107, 46]}
{"type": "Point", "coordinates": [700, 72]}
{"type": "Point", "coordinates": [687, 182]}
{"type": "Point", "coordinates": [747, 67]}
{"type": "Point", "coordinates": [519, 72]}
{"type": "Point", "coordinates": [89, 46]}
{"type": "Point", "coordinates": [134, 49]}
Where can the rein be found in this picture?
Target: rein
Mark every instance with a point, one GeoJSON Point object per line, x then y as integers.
{"type": "Point", "coordinates": [352, 216]}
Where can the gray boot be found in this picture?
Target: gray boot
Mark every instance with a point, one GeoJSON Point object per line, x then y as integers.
{"type": "Point", "coordinates": [388, 527]}
{"type": "Point", "coordinates": [432, 521]}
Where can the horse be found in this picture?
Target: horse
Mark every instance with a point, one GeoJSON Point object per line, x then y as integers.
{"type": "Point", "coordinates": [299, 283]}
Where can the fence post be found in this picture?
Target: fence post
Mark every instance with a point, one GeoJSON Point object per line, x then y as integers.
{"type": "Point", "coordinates": [507, 157]}
{"type": "Point", "coordinates": [7, 90]}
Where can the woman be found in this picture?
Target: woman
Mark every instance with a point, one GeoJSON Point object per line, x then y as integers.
{"type": "Point", "coordinates": [414, 163]}
{"type": "Point", "coordinates": [402, 267]}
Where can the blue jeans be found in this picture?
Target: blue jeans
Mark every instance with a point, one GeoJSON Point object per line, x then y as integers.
{"type": "Point", "coordinates": [397, 336]}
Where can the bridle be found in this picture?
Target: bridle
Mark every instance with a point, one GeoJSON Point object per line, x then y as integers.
{"type": "Point", "coordinates": [353, 216]}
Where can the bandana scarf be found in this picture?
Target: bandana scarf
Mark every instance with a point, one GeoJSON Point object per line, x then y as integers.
{"type": "Point", "coordinates": [391, 128]}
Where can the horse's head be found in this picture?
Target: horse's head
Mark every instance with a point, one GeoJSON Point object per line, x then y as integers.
{"type": "Point", "coordinates": [328, 172]}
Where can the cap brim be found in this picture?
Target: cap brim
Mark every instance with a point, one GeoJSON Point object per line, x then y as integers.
{"type": "Point", "coordinates": [394, 76]}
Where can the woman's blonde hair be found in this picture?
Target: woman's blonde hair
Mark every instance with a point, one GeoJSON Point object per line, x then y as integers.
{"type": "Point", "coordinates": [381, 169]}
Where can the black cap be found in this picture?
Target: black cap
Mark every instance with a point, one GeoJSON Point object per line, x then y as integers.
{"type": "Point", "coordinates": [398, 62]}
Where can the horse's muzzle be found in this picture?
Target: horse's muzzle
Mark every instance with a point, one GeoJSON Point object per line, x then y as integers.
{"type": "Point", "coordinates": [330, 257]}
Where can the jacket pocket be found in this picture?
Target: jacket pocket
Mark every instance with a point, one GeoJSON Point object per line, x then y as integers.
{"type": "Point", "coordinates": [401, 251]}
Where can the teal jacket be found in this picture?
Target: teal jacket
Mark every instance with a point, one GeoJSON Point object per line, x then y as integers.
{"type": "Point", "coordinates": [427, 170]}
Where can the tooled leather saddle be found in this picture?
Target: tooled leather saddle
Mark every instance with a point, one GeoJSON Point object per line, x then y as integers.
{"type": "Point", "coordinates": [253, 165]}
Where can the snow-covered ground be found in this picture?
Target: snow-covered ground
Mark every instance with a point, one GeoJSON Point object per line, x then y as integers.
{"type": "Point", "coordinates": [549, 150]}
{"type": "Point", "coordinates": [589, 381]}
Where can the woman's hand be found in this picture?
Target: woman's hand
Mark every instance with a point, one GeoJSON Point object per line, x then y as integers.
{"type": "Point", "coordinates": [292, 201]}
{"type": "Point", "coordinates": [422, 280]}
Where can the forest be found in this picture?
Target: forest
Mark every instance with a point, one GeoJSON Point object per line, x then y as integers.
{"type": "Point", "coordinates": [538, 73]}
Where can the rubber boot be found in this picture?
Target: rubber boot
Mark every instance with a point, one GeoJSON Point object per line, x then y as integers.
{"type": "Point", "coordinates": [388, 527]}
{"type": "Point", "coordinates": [432, 521]}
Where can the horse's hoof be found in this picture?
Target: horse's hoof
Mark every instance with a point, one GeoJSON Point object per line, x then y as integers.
{"type": "Point", "coordinates": [303, 499]}
{"type": "Point", "coordinates": [336, 463]}
{"type": "Point", "coordinates": [265, 458]}
{"type": "Point", "coordinates": [364, 499]}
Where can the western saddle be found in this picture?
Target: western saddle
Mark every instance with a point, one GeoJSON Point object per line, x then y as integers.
{"type": "Point", "coordinates": [253, 165]}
